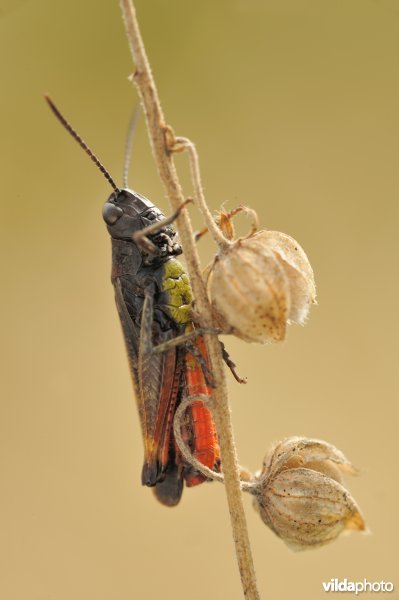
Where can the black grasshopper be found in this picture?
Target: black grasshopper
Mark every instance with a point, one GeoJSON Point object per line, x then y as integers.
{"type": "Point", "coordinates": [154, 301]}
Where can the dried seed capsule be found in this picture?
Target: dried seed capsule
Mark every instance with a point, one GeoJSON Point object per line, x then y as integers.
{"type": "Point", "coordinates": [298, 494]}
{"type": "Point", "coordinates": [260, 283]}
{"type": "Point", "coordinates": [298, 270]}
{"type": "Point", "coordinates": [250, 292]}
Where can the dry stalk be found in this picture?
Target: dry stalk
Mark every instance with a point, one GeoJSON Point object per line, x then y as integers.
{"type": "Point", "coordinates": [247, 481]}
{"type": "Point", "coordinates": [184, 449]}
{"type": "Point", "coordinates": [200, 201]}
{"type": "Point", "coordinates": [163, 141]}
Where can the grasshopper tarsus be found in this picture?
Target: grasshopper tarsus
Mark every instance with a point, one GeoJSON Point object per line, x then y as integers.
{"type": "Point", "coordinates": [232, 366]}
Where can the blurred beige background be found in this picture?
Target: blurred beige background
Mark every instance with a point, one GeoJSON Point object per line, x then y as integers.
{"type": "Point", "coordinates": [293, 105]}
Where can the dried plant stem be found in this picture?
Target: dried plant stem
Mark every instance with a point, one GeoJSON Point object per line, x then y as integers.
{"type": "Point", "coordinates": [247, 485]}
{"type": "Point", "coordinates": [213, 229]}
{"type": "Point", "coordinates": [162, 141]}
{"type": "Point", "coordinates": [184, 449]}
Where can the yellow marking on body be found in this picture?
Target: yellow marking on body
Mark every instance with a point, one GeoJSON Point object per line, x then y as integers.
{"type": "Point", "coordinates": [176, 284]}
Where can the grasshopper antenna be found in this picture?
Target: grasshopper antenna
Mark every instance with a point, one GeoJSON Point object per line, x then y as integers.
{"type": "Point", "coordinates": [129, 143]}
{"type": "Point", "coordinates": [81, 143]}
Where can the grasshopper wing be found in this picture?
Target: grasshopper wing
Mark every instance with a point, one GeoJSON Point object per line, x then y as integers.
{"type": "Point", "coordinates": [157, 382]}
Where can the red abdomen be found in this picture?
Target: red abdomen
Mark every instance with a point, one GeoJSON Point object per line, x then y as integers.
{"type": "Point", "coordinates": [203, 439]}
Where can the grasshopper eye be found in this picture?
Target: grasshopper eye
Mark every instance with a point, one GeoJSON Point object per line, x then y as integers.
{"type": "Point", "coordinates": [111, 213]}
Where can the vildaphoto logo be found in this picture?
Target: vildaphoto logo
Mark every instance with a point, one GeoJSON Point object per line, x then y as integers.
{"type": "Point", "coordinates": [357, 587]}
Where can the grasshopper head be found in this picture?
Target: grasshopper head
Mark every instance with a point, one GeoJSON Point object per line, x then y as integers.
{"type": "Point", "coordinates": [127, 212]}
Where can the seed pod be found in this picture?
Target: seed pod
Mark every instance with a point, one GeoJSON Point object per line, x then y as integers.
{"type": "Point", "coordinates": [250, 292]}
{"type": "Point", "coordinates": [260, 283]}
{"type": "Point", "coordinates": [297, 269]}
{"type": "Point", "coordinates": [299, 495]}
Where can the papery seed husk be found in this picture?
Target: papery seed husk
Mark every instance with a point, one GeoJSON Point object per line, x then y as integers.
{"type": "Point", "coordinates": [307, 509]}
{"type": "Point", "coordinates": [250, 292]}
{"type": "Point", "coordinates": [299, 451]}
{"type": "Point", "coordinates": [297, 267]}
{"type": "Point", "coordinates": [326, 467]}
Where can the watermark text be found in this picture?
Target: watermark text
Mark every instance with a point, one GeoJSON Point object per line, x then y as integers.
{"type": "Point", "coordinates": [357, 587]}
